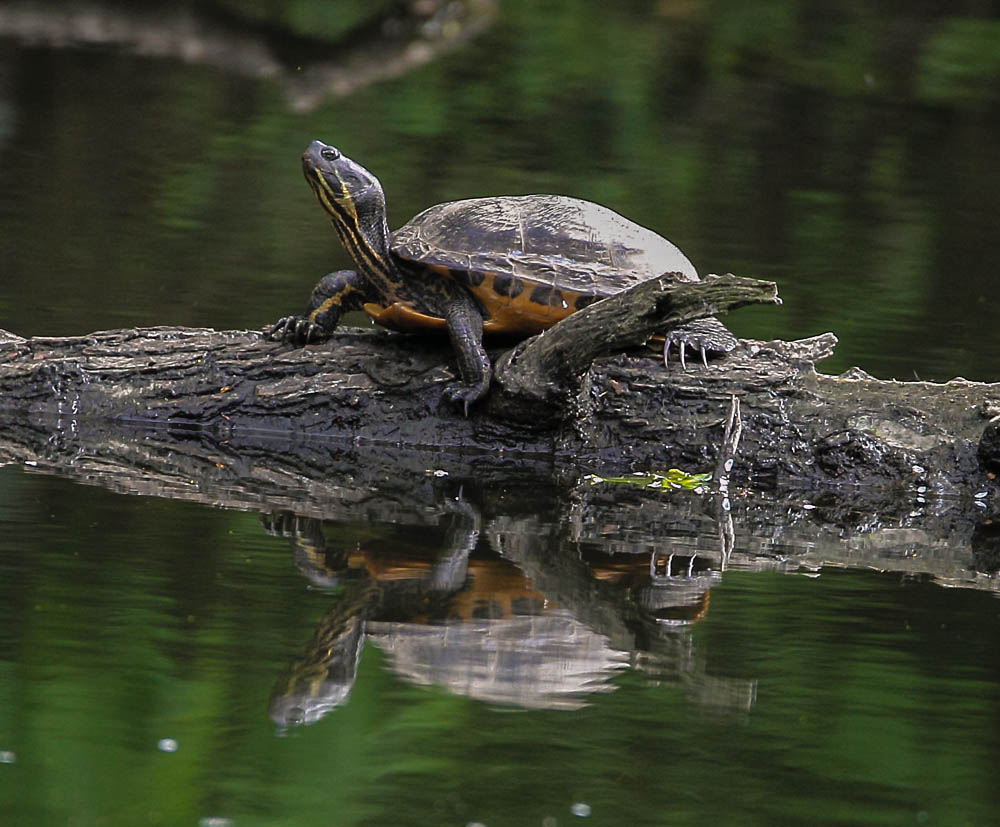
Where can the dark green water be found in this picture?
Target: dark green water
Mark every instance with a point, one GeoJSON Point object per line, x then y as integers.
{"type": "Point", "coordinates": [849, 698]}
{"type": "Point", "coordinates": [847, 153]}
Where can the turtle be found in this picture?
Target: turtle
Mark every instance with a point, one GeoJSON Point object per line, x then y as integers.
{"type": "Point", "coordinates": [510, 264]}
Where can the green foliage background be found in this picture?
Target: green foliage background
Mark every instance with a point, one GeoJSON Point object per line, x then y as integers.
{"type": "Point", "coordinates": [846, 150]}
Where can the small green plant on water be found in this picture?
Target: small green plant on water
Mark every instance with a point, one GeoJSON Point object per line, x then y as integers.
{"type": "Point", "coordinates": [672, 479]}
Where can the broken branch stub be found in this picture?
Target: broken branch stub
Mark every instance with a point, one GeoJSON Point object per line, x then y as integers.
{"type": "Point", "coordinates": [543, 371]}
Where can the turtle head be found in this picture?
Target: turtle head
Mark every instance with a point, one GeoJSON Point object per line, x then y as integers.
{"type": "Point", "coordinates": [355, 203]}
{"type": "Point", "coordinates": [345, 189]}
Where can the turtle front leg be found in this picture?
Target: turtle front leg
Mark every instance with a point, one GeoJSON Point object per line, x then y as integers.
{"type": "Point", "coordinates": [465, 328]}
{"type": "Point", "coordinates": [336, 293]}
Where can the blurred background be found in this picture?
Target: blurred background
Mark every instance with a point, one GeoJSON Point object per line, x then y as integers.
{"type": "Point", "coordinates": [157, 651]}
{"type": "Point", "coordinates": [149, 151]}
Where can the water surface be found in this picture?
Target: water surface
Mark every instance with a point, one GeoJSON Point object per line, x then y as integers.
{"type": "Point", "coordinates": [352, 642]}
{"type": "Point", "coordinates": [165, 662]}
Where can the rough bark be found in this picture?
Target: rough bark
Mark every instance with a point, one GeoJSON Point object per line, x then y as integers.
{"type": "Point", "coordinates": [535, 379]}
{"type": "Point", "coordinates": [629, 410]}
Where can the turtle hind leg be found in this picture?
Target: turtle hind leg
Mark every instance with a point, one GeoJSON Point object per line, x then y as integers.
{"type": "Point", "coordinates": [465, 329]}
{"type": "Point", "coordinates": [704, 336]}
{"type": "Point", "coordinates": [336, 293]}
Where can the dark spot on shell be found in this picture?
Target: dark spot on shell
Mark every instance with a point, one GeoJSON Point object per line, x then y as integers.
{"type": "Point", "coordinates": [544, 294]}
{"type": "Point", "coordinates": [506, 285]}
{"type": "Point", "coordinates": [459, 275]}
{"type": "Point", "coordinates": [584, 301]}
{"type": "Point", "coordinates": [473, 278]}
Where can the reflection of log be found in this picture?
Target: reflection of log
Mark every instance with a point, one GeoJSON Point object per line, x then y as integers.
{"type": "Point", "coordinates": [952, 538]}
{"type": "Point", "coordinates": [389, 45]}
{"type": "Point", "coordinates": [631, 411]}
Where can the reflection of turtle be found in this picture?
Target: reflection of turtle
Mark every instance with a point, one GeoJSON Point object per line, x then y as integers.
{"type": "Point", "coordinates": [323, 678]}
{"type": "Point", "coordinates": [494, 639]}
{"type": "Point", "coordinates": [478, 624]}
{"type": "Point", "coordinates": [510, 264]}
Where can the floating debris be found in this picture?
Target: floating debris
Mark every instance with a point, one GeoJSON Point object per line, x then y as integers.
{"type": "Point", "coordinates": [672, 479]}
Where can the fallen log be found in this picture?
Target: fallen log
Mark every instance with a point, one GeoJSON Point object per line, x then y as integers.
{"type": "Point", "coordinates": [628, 411]}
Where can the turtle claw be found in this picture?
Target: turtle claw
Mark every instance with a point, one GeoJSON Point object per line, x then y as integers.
{"type": "Point", "coordinates": [459, 392]}
{"type": "Point", "coordinates": [456, 393]}
{"type": "Point", "coordinates": [296, 330]}
{"type": "Point", "coordinates": [702, 336]}
{"type": "Point", "coordinates": [668, 340]}
{"type": "Point", "coordinates": [276, 331]}
{"type": "Point", "coordinates": [682, 346]}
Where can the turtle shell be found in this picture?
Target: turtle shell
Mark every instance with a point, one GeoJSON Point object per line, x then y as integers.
{"type": "Point", "coordinates": [532, 260]}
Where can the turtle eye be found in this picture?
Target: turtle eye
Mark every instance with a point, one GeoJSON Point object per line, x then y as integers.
{"type": "Point", "coordinates": [330, 153]}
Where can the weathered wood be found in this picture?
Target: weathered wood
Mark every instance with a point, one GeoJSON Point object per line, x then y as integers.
{"type": "Point", "coordinates": [630, 412]}
{"type": "Point", "coordinates": [534, 380]}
